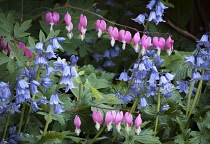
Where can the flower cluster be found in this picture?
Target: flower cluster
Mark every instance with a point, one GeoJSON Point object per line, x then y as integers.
{"type": "Point", "coordinates": [117, 119]}
{"type": "Point", "coordinates": [157, 11]}
{"type": "Point", "coordinates": [199, 61]}
{"type": "Point", "coordinates": [146, 78]}
{"type": "Point", "coordinates": [7, 49]}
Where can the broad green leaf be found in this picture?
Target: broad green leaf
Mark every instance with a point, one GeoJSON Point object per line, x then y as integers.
{"type": "Point", "coordinates": [59, 118]}
{"type": "Point", "coordinates": [25, 26]}
{"type": "Point", "coordinates": [10, 22]}
{"type": "Point", "coordinates": [11, 66]}
{"type": "Point", "coordinates": [31, 42]}
{"type": "Point", "coordinates": [3, 58]}
{"type": "Point", "coordinates": [96, 93]}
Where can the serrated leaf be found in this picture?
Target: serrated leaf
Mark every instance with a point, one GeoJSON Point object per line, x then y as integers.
{"type": "Point", "coordinates": [146, 136]}
{"type": "Point", "coordinates": [11, 66]}
{"type": "Point", "coordinates": [31, 42]}
{"type": "Point", "coordinates": [59, 118]}
{"type": "Point", "coordinates": [3, 58]}
{"type": "Point", "coordinates": [10, 22]}
{"type": "Point", "coordinates": [25, 26]}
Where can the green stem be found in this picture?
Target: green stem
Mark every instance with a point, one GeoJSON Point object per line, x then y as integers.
{"type": "Point", "coordinates": [6, 126]}
{"type": "Point", "coordinates": [114, 137]}
{"type": "Point", "coordinates": [97, 135]}
{"type": "Point", "coordinates": [32, 98]}
{"type": "Point", "coordinates": [192, 83]}
{"type": "Point", "coordinates": [157, 110]}
{"type": "Point", "coordinates": [134, 105]}
{"type": "Point", "coordinates": [48, 120]}
{"type": "Point", "coordinates": [79, 96]}
{"type": "Point", "coordinates": [196, 95]}
{"type": "Point", "coordinates": [21, 118]}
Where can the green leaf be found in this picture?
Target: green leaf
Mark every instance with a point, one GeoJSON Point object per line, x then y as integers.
{"type": "Point", "coordinates": [10, 22]}
{"type": "Point", "coordinates": [146, 136]}
{"type": "Point", "coordinates": [11, 66]}
{"type": "Point", "coordinates": [3, 58]}
{"type": "Point", "coordinates": [41, 36]}
{"type": "Point", "coordinates": [25, 26]}
{"type": "Point", "coordinates": [96, 93]}
{"type": "Point", "coordinates": [31, 42]}
{"type": "Point", "coordinates": [59, 118]}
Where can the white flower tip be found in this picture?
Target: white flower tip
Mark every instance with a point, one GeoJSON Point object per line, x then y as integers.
{"type": "Point", "coordinates": [82, 37]}
{"type": "Point", "coordinates": [109, 126]}
{"type": "Point", "coordinates": [77, 131]}
{"type": "Point", "coordinates": [118, 127]}
{"type": "Point", "coordinates": [123, 46]}
{"type": "Point", "coordinates": [138, 131]}
{"type": "Point", "coordinates": [70, 35]}
{"type": "Point", "coordinates": [99, 33]}
{"type": "Point", "coordinates": [112, 42]}
{"type": "Point", "coordinates": [137, 48]}
{"type": "Point", "coordinates": [97, 126]}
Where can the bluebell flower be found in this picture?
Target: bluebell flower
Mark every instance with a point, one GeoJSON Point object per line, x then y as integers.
{"type": "Point", "coordinates": [60, 63]}
{"type": "Point", "coordinates": [39, 48]}
{"type": "Point", "coordinates": [49, 70]}
{"type": "Point", "coordinates": [34, 106]}
{"type": "Point", "coordinates": [89, 41]}
{"type": "Point", "coordinates": [151, 4]}
{"type": "Point", "coordinates": [46, 81]}
{"type": "Point", "coordinates": [12, 130]}
{"type": "Point", "coordinates": [183, 86]}
{"type": "Point", "coordinates": [158, 10]}
{"type": "Point", "coordinates": [199, 61]}
{"type": "Point", "coordinates": [169, 94]}
{"type": "Point", "coordinates": [12, 108]}
{"type": "Point", "coordinates": [152, 16]}
{"type": "Point", "coordinates": [4, 91]}
{"type": "Point", "coordinates": [115, 51]}
{"type": "Point", "coordinates": [41, 60]}
{"type": "Point", "coordinates": [33, 87]}
{"type": "Point", "coordinates": [190, 60]}
{"type": "Point", "coordinates": [55, 100]}
{"type": "Point", "coordinates": [141, 74]}
{"type": "Point", "coordinates": [55, 44]}
{"type": "Point", "coordinates": [195, 75]}
{"type": "Point", "coordinates": [61, 39]}
{"type": "Point", "coordinates": [166, 88]}
{"type": "Point", "coordinates": [73, 72]}
{"type": "Point", "coordinates": [140, 19]}
{"type": "Point", "coordinates": [96, 9]}
{"type": "Point", "coordinates": [73, 60]}
{"type": "Point", "coordinates": [110, 3]}
{"type": "Point", "coordinates": [164, 108]}
{"type": "Point", "coordinates": [141, 67]}
{"type": "Point", "coordinates": [50, 52]}
{"type": "Point", "coordinates": [124, 77]}
{"type": "Point", "coordinates": [107, 54]}
{"type": "Point", "coordinates": [42, 101]}
{"type": "Point", "coordinates": [126, 98]}
{"type": "Point", "coordinates": [147, 62]}
{"type": "Point", "coordinates": [97, 56]}
{"type": "Point", "coordinates": [162, 5]}
{"type": "Point", "coordinates": [151, 90]}
{"type": "Point", "coordinates": [206, 75]}
{"type": "Point", "coordinates": [157, 60]}
{"type": "Point", "coordinates": [169, 76]}
{"type": "Point", "coordinates": [69, 85]}
{"type": "Point", "coordinates": [58, 109]}
{"type": "Point", "coordinates": [154, 75]}
{"type": "Point", "coordinates": [23, 84]}
{"type": "Point", "coordinates": [143, 102]}
{"type": "Point", "coordinates": [109, 63]}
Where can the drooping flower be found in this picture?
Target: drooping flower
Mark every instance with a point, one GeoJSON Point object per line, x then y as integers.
{"type": "Point", "coordinates": [100, 25]}
{"type": "Point", "coordinates": [140, 19]}
{"type": "Point", "coordinates": [124, 77]}
{"type": "Point", "coordinates": [146, 42]}
{"type": "Point", "coordinates": [159, 44]}
{"type": "Point", "coordinates": [97, 118]}
{"type": "Point", "coordinates": [128, 118]}
{"type": "Point", "coordinates": [77, 123]}
{"type": "Point", "coordinates": [118, 120]}
{"type": "Point", "coordinates": [82, 26]}
{"type": "Point", "coordinates": [164, 108]}
{"type": "Point", "coordinates": [138, 122]}
{"type": "Point", "coordinates": [136, 41]}
{"type": "Point", "coordinates": [109, 119]}
{"type": "Point", "coordinates": [125, 37]}
{"type": "Point", "coordinates": [169, 45]}
{"type": "Point", "coordinates": [69, 25]}
{"type": "Point", "coordinates": [52, 19]}
{"type": "Point", "coordinates": [143, 102]}
{"type": "Point", "coordinates": [113, 34]}
{"type": "Point", "coordinates": [55, 100]}
{"type": "Point", "coordinates": [151, 4]}
{"type": "Point", "coordinates": [34, 106]}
